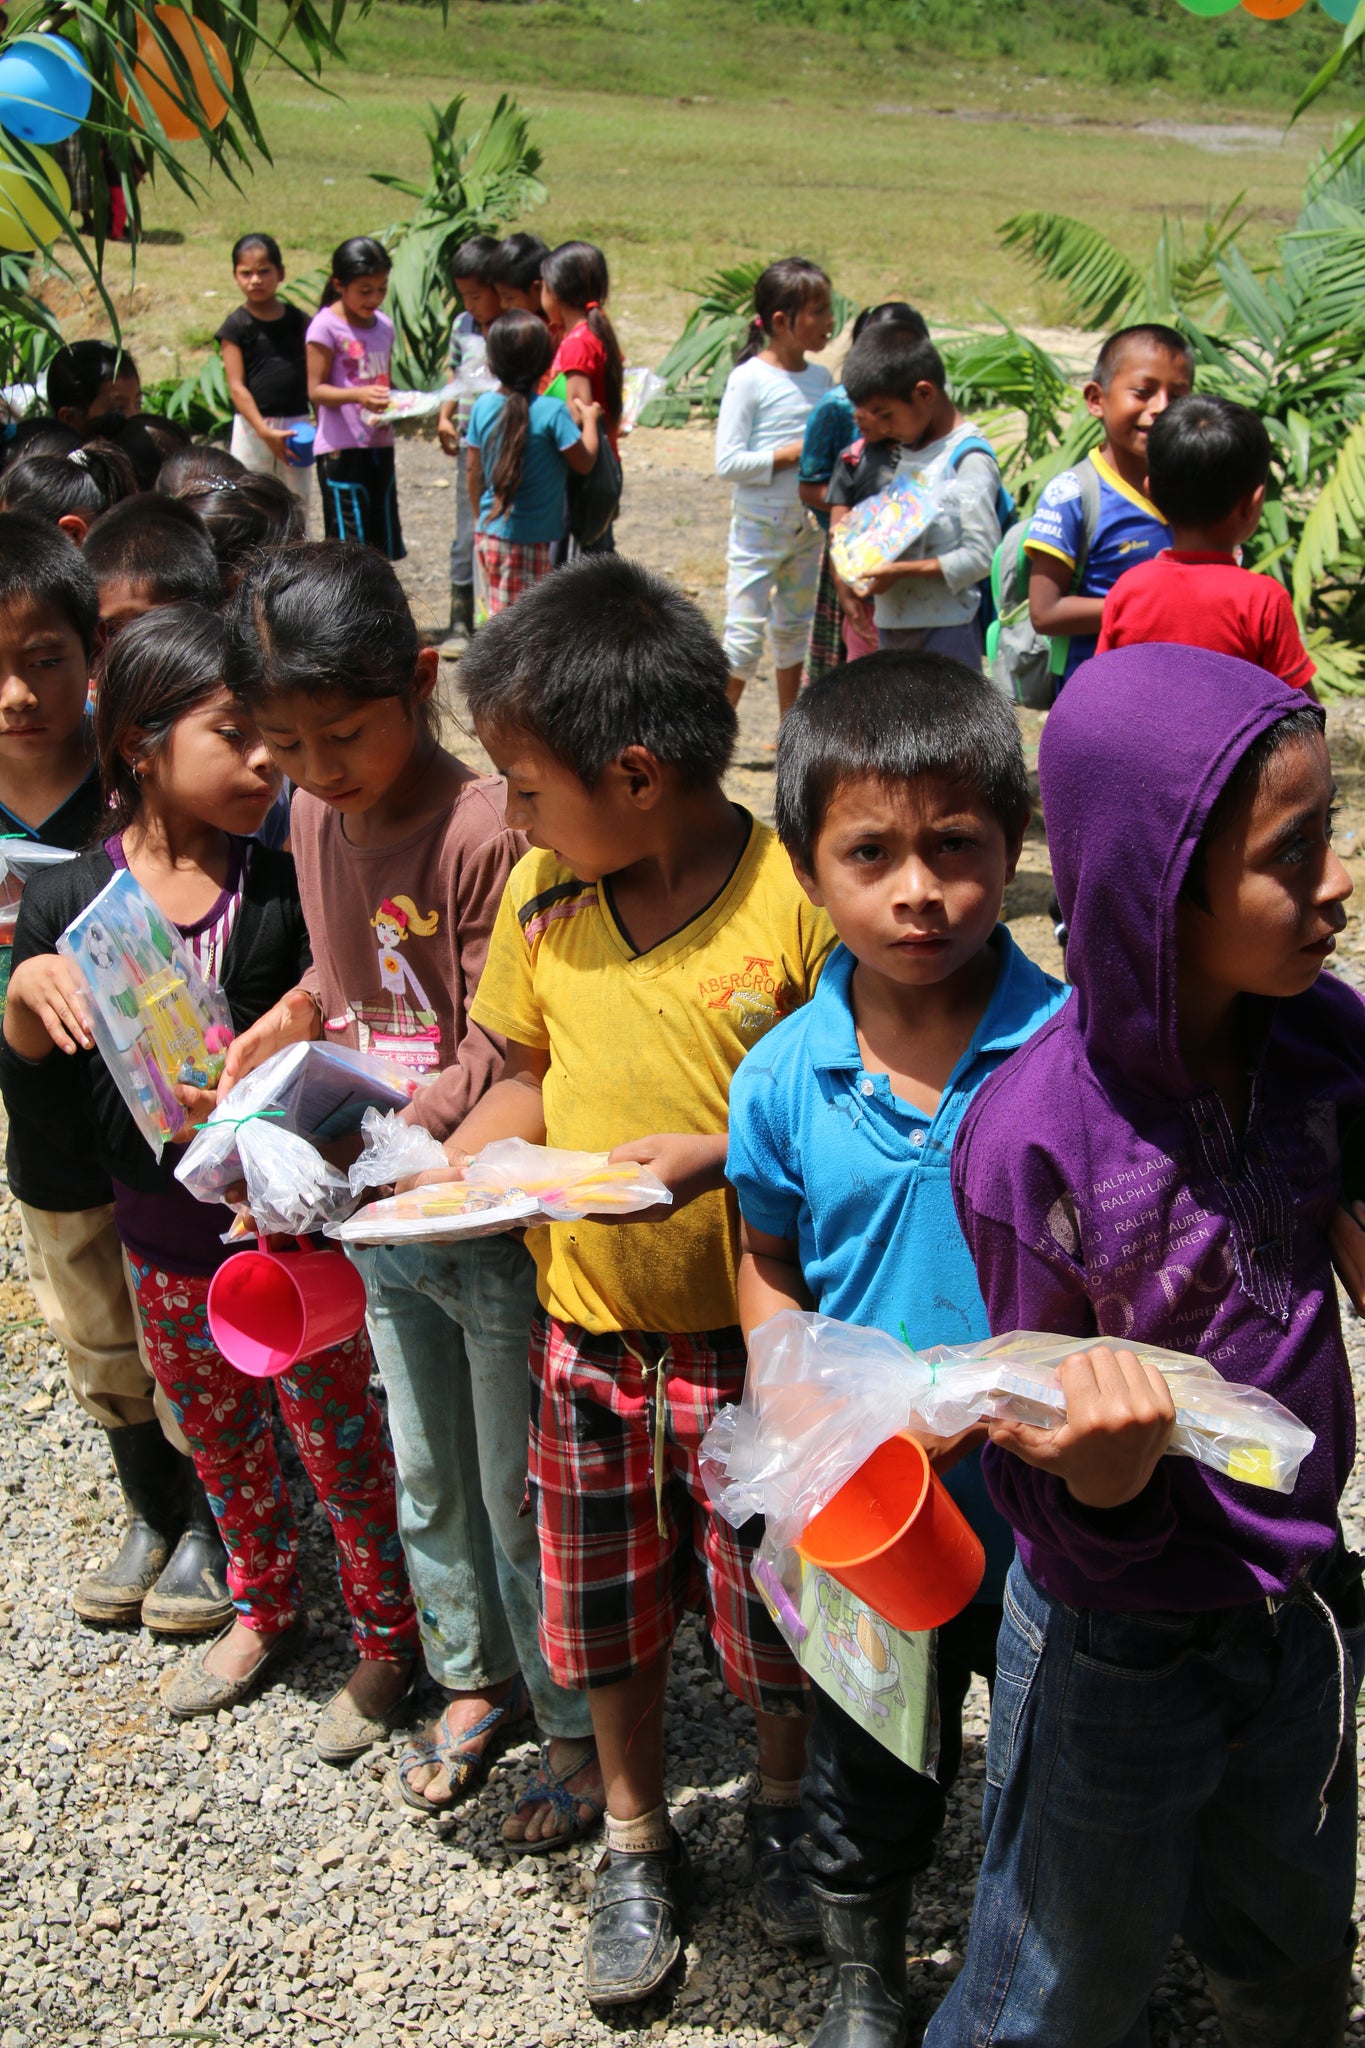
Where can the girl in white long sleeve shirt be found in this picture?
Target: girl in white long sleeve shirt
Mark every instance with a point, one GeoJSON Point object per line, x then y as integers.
{"type": "Point", "coordinates": [773, 561]}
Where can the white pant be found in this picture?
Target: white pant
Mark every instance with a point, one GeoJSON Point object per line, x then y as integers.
{"type": "Point", "coordinates": [251, 451]}
{"type": "Point", "coordinates": [773, 568]}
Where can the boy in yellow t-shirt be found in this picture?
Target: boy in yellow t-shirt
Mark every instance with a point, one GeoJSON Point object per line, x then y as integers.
{"type": "Point", "coordinates": [654, 936]}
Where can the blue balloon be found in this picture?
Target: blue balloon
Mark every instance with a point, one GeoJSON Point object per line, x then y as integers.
{"type": "Point", "coordinates": [45, 89]}
{"type": "Point", "coordinates": [1340, 10]}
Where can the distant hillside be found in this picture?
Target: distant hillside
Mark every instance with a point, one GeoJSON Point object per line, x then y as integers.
{"type": "Point", "coordinates": [1115, 49]}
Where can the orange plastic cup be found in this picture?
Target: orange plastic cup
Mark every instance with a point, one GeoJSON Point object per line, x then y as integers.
{"type": "Point", "coordinates": [267, 1310]}
{"type": "Point", "coordinates": [894, 1535]}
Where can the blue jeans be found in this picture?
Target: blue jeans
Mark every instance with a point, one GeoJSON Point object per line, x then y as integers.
{"type": "Point", "coordinates": [462, 547]}
{"type": "Point", "coordinates": [1149, 1775]}
{"type": "Point", "coordinates": [449, 1326]}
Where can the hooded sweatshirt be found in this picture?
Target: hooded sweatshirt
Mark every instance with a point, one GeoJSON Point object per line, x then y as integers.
{"type": "Point", "coordinates": [1103, 1194]}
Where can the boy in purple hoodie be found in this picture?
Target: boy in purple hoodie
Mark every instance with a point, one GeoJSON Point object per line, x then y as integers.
{"type": "Point", "coordinates": [1172, 1744]}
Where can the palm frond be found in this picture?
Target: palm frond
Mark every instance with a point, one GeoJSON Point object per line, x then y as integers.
{"type": "Point", "coordinates": [1099, 282]}
{"type": "Point", "coordinates": [1335, 522]}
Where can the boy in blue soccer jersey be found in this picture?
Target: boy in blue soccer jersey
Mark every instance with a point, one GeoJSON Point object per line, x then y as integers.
{"type": "Point", "coordinates": [902, 800]}
{"type": "Point", "coordinates": [1138, 372]}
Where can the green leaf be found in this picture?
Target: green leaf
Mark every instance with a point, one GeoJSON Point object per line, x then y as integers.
{"type": "Point", "coordinates": [1099, 282]}
{"type": "Point", "coordinates": [1336, 521]}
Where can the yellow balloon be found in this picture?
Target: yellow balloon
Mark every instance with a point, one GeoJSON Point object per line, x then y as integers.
{"type": "Point", "coordinates": [26, 219]}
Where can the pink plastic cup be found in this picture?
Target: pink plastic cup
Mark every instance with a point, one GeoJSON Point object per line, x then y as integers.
{"type": "Point", "coordinates": [267, 1310]}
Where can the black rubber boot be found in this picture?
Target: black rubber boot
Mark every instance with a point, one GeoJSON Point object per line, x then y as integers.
{"type": "Point", "coordinates": [864, 1936]}
{"type": "Point", "coordinates": [191, 1597]}
{"type": "Point", "coordinates": [151, 1473]}
{"type": "Point", "coordinates": [781, 1896]}
{"type": "Point", "coordinates": [1306, 2009]}
{"type": "Point", "coordinates": [636, 1921]}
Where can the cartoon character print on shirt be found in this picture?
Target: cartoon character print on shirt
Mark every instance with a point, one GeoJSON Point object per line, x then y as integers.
{"type": "Point", "coordinates": [400, 1021]}
{"type": "Point", "coordinates": [366, 365]}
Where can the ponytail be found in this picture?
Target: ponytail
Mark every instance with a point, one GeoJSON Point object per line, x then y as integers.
{"type": "Point", "coordinates": [576, 272]}
{"type": "Point", "coordinates": [519, 353]}
{"type": "Point", "coordinates": [784, 287]}
{"type": "Point", "coordinates": [754, 340]}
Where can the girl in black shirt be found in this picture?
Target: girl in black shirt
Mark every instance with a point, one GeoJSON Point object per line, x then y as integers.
{"type": "Point", "coordinates": [262, 345]}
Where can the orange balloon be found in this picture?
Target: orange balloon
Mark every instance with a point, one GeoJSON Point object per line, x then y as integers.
{"type": "Point", "coordinates": [153, 73]}
{"type": "Point", "coordinates": [1272, 10]}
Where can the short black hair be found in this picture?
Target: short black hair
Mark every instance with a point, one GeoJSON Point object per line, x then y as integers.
{"type": "Point", "coordinates": [1300, 722]}
{"type": "Point", "coordinates": [474, 258]}
{"type": "Point", "coordinates": [516, 262]}
{"type": "Point", "coordinates": [602, 656]}
{"type": "Point", "coordinates": [156, 541]}
{"type": "Point", "coordinates": [1204, 455]}
{"type": "Point", "coordinates": [890, 313]}
{"type": "Point", "coordinates": [39, 565]}
{"type": "Point", "coordinates": [1148, 334]}
{"type": "Point", "coordinates": [888, 361]}
{"type": "Point", "coordinates": [889, 718]}
{"type": "Point", "coordinates": [77, 371]}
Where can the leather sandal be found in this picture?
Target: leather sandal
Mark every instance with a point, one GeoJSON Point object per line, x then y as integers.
{"type": "Point", "coordinates": [637, 1919]}
{"type": "Point", "coordinates": [781, 1897]}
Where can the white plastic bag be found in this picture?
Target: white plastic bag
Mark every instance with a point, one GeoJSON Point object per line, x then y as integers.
{"type": "Point", "coordinates": [393, 1150]}
{"type": "Point", "coordinates": [821, 1395]}
{"type": "Point", "coordinates": [638, 387]}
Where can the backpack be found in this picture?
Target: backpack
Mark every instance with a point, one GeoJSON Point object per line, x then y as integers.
{"type": "Point", "coordinates": [1005, 509]}
{"type": "Point", "coordinates": [595, 499]}
{"type": "Point", "coordinates": [1023, 663]}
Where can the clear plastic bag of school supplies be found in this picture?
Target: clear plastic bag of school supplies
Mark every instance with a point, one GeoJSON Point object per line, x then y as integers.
{"type": "Point", "coordinates": [312, 1090]}
{"type": "Point", "coordinates": [392, 1151]}
{"type": "Point", "coordinates": [290, 1188]}
{"type": "Point", "coordinates": [566, 1185]}
{"type": "Point", "coordinates": [402, 407]}
{"type": "Point", "coordinates": [20, 860]}
{"type": "Point", "coordinates": [821, 1395]}
{"type": "Point", "coordinates": [507, 1185]}
{"type": "Point", "coordinates": [880, 530]}
{"type": "Point", "coordinates": [156, 1020]}
{"type": "Point", "coordinates": [638, 388]}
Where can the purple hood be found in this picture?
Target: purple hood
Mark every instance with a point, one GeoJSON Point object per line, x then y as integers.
{"type": "Point", "coordinates": [1103, 1193]}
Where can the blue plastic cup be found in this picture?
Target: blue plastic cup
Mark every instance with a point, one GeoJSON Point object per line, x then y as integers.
{"type": "Point", "coordinates": [301, 440]}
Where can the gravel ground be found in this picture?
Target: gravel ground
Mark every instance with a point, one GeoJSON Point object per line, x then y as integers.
{"type": "Point", "coordinates": [215, 1883]}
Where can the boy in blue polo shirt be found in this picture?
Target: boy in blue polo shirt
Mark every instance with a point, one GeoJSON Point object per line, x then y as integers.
{"type": "Point", "coordinates": [902, 800]}
{"type": "Point", "coordinates": [1106, 523]}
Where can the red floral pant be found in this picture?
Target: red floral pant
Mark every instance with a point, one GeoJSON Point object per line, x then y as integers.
{"type": "Point", "coordinates": [336, 1425]}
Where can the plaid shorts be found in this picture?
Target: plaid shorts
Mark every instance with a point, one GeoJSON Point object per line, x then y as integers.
{"type": "Point", "coordinates": [827, 648]}
{"type": "Point", "coordinates": [612, 1587]}
{"type": "Point", "coordinates": [507, 568]}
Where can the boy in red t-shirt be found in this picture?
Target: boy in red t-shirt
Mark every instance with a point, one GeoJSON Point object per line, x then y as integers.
{"type": "Point", "coordinates": [1207, 465]}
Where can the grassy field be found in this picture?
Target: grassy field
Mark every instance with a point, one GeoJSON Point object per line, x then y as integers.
{"type": "Point", "coordinates": [888, 138]}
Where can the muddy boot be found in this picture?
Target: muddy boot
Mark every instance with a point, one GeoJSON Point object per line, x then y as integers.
{"type": "Point", "coordinates": [151, 1473]}
{"type": "Point", "coordinates": [1306, 2009]}
{"type": "Point", "coordinates": [864, 1937]}
{"type": "Point", "coordinates": [191, 1597]}
{"type": "Point", "coordinates": [461, 621]}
